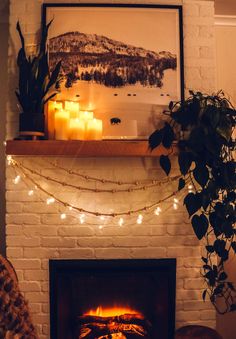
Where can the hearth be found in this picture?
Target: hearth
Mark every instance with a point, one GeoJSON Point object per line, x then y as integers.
{"type": "Point", "coordinates": [112, 299]}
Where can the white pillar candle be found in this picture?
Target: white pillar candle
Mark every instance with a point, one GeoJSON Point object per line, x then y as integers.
{"type": "Point", "coordinates": [73, 108]}
{"type": "Point", "coordinates": [86, 115]}
{"type": "Point", "coordinates": [52, 107]}
{"type": "Point", "coordinates": [94, 129]}
{"type": "Point", "coordinates": [76, 129]}
{"type": "Point", "coordinates": [61, 125]}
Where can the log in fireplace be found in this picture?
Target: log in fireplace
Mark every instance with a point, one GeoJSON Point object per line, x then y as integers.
{"type": "Point", "coordinates": [112, 299]}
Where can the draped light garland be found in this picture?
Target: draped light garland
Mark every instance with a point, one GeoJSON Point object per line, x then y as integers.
{"type": "Point", "coordinates": [115, 182]}
{"type": "Point", "coordinates": [96, 190]}
{"type": "Point", "coordinates": [28, 173]}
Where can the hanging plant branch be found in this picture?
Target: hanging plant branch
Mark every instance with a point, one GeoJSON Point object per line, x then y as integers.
{"type": "Point", "coordinates": [203, 126]}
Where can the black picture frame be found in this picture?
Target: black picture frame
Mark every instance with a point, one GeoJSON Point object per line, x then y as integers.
{"type": "Point", "coordinates": [145, 91]}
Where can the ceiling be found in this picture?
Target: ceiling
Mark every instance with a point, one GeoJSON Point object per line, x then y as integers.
{"type": "Point", "coordinates": [225, 7]}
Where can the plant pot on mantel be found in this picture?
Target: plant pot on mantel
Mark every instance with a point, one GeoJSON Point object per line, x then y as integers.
{"type": "Point", "coordinates": [31, 125]}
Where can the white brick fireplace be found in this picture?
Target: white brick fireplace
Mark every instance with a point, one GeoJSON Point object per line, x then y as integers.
{"type": "Point", "coordinates": [35, 231]}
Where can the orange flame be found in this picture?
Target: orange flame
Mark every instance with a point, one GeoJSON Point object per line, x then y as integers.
{"type": "Point", "coordinates": [111, 311]}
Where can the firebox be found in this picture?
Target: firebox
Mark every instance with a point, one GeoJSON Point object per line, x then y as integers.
{"type": "Point", "coordinates": [112, 299]}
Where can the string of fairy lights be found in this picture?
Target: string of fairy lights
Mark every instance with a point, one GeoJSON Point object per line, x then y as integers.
{"type": "Point", "coordinates": [28, 174]}
{"type": "Point", "coordinates": [96, 190]}
{"type": "Point", "coordinates": [115, 182]}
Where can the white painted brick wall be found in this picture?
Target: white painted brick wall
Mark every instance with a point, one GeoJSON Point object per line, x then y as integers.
{"type": "Point", "coordinates": [35, 231]}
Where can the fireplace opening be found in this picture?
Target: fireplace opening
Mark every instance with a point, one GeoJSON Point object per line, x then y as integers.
{"type": "Point", "coordinates": [112, 299]}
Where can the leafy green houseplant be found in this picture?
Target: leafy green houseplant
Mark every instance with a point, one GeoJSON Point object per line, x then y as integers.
{"type": "Point", "coordinates": [36, 84]}
{"type": "Point", "coordinates": [206, 161]}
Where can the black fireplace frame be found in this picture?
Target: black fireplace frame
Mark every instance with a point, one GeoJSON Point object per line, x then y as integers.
{"type": "Point", "coordinates": [63, 266]}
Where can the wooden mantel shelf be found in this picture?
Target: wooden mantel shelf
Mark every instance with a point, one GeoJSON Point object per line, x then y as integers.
{"type": "Point", "coordinates": [104, 148]}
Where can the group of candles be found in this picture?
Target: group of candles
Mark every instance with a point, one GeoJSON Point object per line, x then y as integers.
{"type": "Point", "coordinates": [70, 123]}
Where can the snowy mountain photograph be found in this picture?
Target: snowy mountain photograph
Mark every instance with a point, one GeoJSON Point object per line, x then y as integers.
{"type": "Point", "coordinates": [99, 59]}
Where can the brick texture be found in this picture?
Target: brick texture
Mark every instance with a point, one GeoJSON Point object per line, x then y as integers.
{"type": "Point", "coordinates": [35, 232]}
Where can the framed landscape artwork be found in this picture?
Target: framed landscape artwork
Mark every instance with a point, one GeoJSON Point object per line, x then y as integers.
{"type": "Point", "coordinates": [121, 61]}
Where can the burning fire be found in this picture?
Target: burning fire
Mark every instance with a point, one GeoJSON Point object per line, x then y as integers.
{"type": "Point", "coordinates": [111, 311]}
{"type": "Point", "coordinates": [113, 322]}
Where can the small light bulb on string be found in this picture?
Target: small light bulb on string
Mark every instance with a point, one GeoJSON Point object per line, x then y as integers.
{"type": "Point", "coordinates": [100, 227]}
{"type": "Point", "coordinates": [157, 211]}
{"type": "Point", "coordinates": [4, 143]}
{"type": "Point", "coordinates": [102, 217]}
{"type": "Point", "coordinates": [16, 180]}
{"type": "Point", "coordinates": [63, 216]}
{"type": "Point", "coordinates": [190, 188]}
{"type": "Point", "coordinates": [9, 159]}
{"type": "Point", "coordinates": [175, 204]}
{"type": "Point", "coordinates": [121, 222]}
{"type": "Point", "coordinates": [82, 218]}
{"type": "Point", "coordinates": [30, 193]}
{"type": "Point", "coordinates": [139, 219]}
{"type": "Point", "coordinates": [50, 201]}
{"type": "Point", "coordinates": [70, 208]}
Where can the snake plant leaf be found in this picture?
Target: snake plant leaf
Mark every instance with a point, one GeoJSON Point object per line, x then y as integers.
{"type": "Point", "coordinates": [49, 98]}
{"type": "Point", "coordinates": [54, 76]}
{"type": "Point", "coordinates": [21, 35]}
{"type": "Point", "coordinates": [35, 80]}
{"type": "Point", "coordinates": [44, 35]}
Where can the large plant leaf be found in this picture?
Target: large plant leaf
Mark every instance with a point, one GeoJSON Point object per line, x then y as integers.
{"type": "Point", "coordinates": [155, 139]}
{"type": "Point", "coordinates": [168, 136]}
{"type": "Point", "coordinates": [181, 184]}
{"type": "Point", "coordinates": [200, 225]}
{"type": "Point", "coordinates": [165, 164]}
{"type": "Point", "coordinates": [192, 202]}
{"type": "Point", "coordinates": [185, 161]}
{"type": "Point", "coordinates": [210, 248]}
{"type": "Point", "coordinates": [205, 199]}
{"type": "Point", "coordinates": [211, 277]}
{"type": "Point", "coordinates": [201, 174]}
{"type": "Point", "coordinates": [219, 246]}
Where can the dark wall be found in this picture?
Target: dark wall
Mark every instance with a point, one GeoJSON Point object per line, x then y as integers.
{"type": "Point", "coordinates": [4, 33]}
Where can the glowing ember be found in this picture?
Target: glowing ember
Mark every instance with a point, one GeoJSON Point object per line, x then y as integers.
{"type": "Point", "coordinates": [111, 311]}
